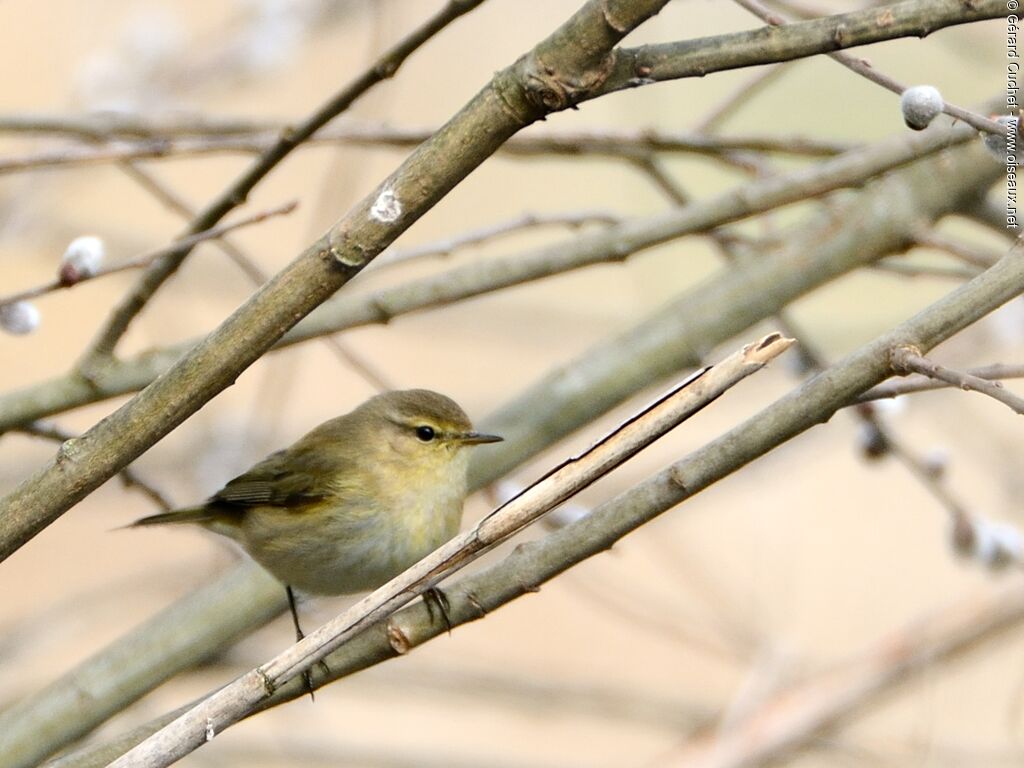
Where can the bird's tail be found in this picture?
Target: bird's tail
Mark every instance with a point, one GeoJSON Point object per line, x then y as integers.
{"type": "Point", "coordinates": [187, 515]}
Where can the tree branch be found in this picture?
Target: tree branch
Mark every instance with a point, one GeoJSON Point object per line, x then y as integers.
{"type": "Point", "coordinates": [911, 384]}
{"type": "Point", "coordinates": [908, 360]}
{"type": "Point", "coordinates": [235, 195]}
{"type": "Point", "coordinates": [591, 143]}
{"type": "Point", "coordinates": [864, 69]}
{"type": "Point", "coordinates": [689, 58]}
{"type": "Point", "coordinates": [148, 258]}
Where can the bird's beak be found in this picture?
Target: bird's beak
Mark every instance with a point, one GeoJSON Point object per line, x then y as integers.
{"type": "Point", "coordinates": [477, 438]}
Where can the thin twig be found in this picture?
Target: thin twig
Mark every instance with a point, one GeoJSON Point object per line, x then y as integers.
{"type": "Point", "coordinates": [525, 221]}
{"type": "Point", "coordinates": [174, 202]}
{"type": "Point", "coordinates": [589, 143]}
{"type": "Point", "coordinates": [863, 68]}
{"type": "Point", "coordinates": [148, 258]}
{"type": "Point", "coordinates": [898, 266]}
{"type": "Point", "coordinates": [289, 138]}
{"type": "Point", "coordinates": [919, 383]}
{"type": "Point", "coordinates": [251, 270]}
{"type": "Point", "coordinates": [965, 252]}
{"type": "Point", "coordinates": [908, 360]}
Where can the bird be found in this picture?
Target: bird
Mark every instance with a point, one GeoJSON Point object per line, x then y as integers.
{"type": "Point", "coordinates": [352, 503]}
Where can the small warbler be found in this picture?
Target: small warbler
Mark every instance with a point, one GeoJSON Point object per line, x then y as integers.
{"type": "Point", "coordinates": [354, 502]}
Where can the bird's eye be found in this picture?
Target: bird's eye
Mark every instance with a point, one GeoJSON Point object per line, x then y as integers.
{"type": "Point", "coordinates": [425, 433]}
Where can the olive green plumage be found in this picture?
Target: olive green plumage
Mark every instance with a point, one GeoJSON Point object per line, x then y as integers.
{"type": "Point", "coordinates": [355, 501]}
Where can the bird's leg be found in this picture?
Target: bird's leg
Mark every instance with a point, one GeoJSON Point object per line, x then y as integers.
{"type": "Point", "coordinates": [307, 676]}
{"type": "Point", "coordinates": [435, 598]}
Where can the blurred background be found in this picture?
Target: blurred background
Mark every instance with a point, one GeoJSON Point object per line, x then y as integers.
{"type": "Point", "coordinates": [804, 561]}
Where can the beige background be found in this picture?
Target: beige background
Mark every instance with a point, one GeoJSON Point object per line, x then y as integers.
{"type": "Point", "coordinates": [810, 553]}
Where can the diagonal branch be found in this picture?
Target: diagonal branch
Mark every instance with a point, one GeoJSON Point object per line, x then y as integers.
{"type": "Point", "coordinates": [912, 384]}
{"type": "Point", "coordinates": [288, 139]}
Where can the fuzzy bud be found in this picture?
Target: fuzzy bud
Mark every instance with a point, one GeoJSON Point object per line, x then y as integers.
{"type": "Point", "coordinates": [921, 104]}
{"type": "Point", "coordinates": [82, 259]}
{"type": "Point", "coordinates": [19, 318]}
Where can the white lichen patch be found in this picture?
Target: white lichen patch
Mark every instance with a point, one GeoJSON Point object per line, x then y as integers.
{"type": "Point", "coordinates": [387, 207]}
{"type": "Point", "coordinates": [209, 729]}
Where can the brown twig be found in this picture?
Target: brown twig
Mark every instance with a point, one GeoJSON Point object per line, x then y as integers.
{"type": "Point", "coordinates": [920, 383]}
{"type": "Point", "coordinates": [148, 258]}
{"type": "Point", "coordinates": [863, 68]}
{"type": "Point", "coordinates": [525, 221]}
{"type": "Point", "coordinates": [606, 142]}
{"type": "Point", "coordinates": [287, 140]}
{"type": "Point", "coordinates": [738, 98]}
{"type": "Point", "coordinates": [908, 360]}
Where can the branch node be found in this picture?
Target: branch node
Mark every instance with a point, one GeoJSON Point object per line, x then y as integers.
{"type": "Point", "coordinates": [899, 359]}
{"type": "Point", "coordinates": [397, 639]}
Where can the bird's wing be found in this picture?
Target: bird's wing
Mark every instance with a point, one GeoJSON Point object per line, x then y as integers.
{"type": "Point", "coordinates": [290, 478]}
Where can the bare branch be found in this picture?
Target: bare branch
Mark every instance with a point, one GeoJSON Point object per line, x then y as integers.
{"type": "Point", "coordinates": [885, 17]}
{"type": "Point", "coordinates": [911, 384]}
{"type": "Point", "coordinates": [148, 258]}
{"type": "Point", "coordinates": [236, 194]}
{"type": "Point", "coordinates": [609, 143]}
{"type": "Point", "coordinates": [908, 360]}
{"type": "Point", "coordinates": [481, 235]}
{"type": "Point", "coordinates": [917, 18]}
